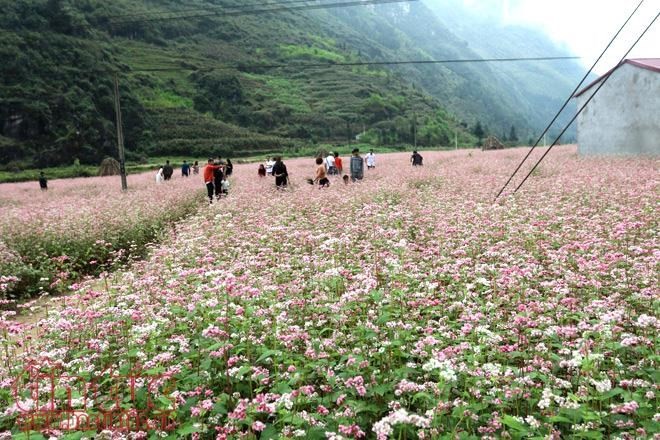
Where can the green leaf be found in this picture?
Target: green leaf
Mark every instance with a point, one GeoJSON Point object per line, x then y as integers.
{"type": "Point", "coordinates": [165, 401]}
{"type": "Point", "coordinates": [514, 424]}
{"type": "Point", "coordinates": [611, 393]}
{"type": "Point", "coordinates": [269, 433]}
{"type": "Point", "coordinates": [560, 419]}
{"type": "Point", "coordinates": [268, 353]}
{"type": "Point", "coordinates": [187, 429]}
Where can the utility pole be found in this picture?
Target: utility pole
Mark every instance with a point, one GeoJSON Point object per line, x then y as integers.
{"type": "Point", "coordinates": [415, 129]}
{"type": "Point", "coordinates": [348, 132]}
{"type": "Point", "coordinates": [120, 138]}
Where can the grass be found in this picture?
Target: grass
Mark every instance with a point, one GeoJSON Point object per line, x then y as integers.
{"type": "Point", "coordinates": [292, 51]}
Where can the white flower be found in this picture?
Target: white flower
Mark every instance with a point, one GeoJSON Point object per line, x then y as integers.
{"type": "Point", "coordinates": [602, 386]}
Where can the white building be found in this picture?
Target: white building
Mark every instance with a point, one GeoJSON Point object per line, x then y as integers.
{"type": "Point", "coordinates": [624, 116]}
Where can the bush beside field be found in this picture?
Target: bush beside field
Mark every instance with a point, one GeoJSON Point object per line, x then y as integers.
{"type": "Point", "coordinates": [83, 227]}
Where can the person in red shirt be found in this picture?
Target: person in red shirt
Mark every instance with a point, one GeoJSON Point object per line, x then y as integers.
{"type": "Point", "coordinates": [338, 164]}
{"type": "Point", "coordinates": [209, 174]}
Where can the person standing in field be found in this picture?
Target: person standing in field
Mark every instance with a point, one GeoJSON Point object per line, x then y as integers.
{"type": "Point", "coordinates": [270, 163]}
{"type": "Point", "coordinates": [357, 166]}
{"type": "Point", "coordinates": [280, 173]}
{"type": "Point", "coordinates": [229, 170]}
{"type": "Point", "coordinates": [43, 182]}
{"type": "Point", "coordinates": [159, 176]}
{"type": "Point", "coordinates": [218, 176]}
{"type": "Point", "coordinates": [209, 175]}
{"type": "Point", "coordinates": [330, 164]}
{"type": "Point", "coordinates": [195, 168]}
{"type": "Point", "coordinates": [416, 159]}
{"type": "Point", "coordinates": [185, 169]}
{"type": "Point", "coordinates": [371, 160]}
{"type": "Point", "coordinates": [168, 171]}
{"type": "Point", "coordinates": [339, 165]}
{"type": "Point", "coordinates": [321, 174]}
{"type": "Point", "coordinates": [262, 170]}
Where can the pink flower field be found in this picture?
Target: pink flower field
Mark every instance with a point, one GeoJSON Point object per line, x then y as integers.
{"type": "Point", "coordinates": [78, 225]}
{"type": "Point", "coordinates": [407, 306]}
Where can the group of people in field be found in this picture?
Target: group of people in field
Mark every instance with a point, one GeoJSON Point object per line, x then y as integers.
{"type": "Point", "coordinates": [217, 171]}
{"type": "Point", "coordinates": [333, 165]}
{"type": "Point", "coordinates": [216, 177]}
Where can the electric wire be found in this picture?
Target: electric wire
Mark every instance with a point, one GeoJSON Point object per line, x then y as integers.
{"type": "Point", "coordinates": [350, 64]}
{"type": "Point", "coordinates": [586, 75]}
{"type": "Point", "coordinates": [602, 83]}
{"type": "Point", "coordinates": [263, 11]}
{"type": "Point", "coordinates": [234, 13]}
{"type": "Point", "coordinates": [209, 8]}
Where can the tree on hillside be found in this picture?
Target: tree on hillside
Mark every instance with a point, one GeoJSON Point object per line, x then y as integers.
{"type": "Point", "coordinates": [478, 131]}
{"type": "Point", "coordinates": [513, 137]}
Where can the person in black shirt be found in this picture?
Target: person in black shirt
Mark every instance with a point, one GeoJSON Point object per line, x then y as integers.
{"type": "Point", "coordinates": [416, 159]}
{"type": "Point", "coordinates": [168, 171]}
{"type": "Point", "coordinates": [230, 168]}
{"type": "Point", "coordinates": [280, 173]}
{"type": "Point", "coordinates": [218, 176]}
{"type": "Point", "coordinates": [43, 182]}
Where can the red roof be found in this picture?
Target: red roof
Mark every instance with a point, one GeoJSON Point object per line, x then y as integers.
{"type": "Point", "coordinates": [652, 64]}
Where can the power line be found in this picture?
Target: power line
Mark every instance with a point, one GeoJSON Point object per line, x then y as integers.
{"type": "Point", "coordinates": [586, 75]}
{"type": "Point", "coordinates": [350, 64]}
{"type": "Point", "coordinates": [602, 83]}
{"type": "Point", "coordinates": [209, 8]}
{"type": "Point", "coordinates": [264, 11]}
{"type": "Point", "coordinates": [257, 11]}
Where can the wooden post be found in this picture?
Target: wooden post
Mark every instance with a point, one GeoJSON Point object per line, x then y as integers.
{"type": "Point", "coordinates": [120, 138]}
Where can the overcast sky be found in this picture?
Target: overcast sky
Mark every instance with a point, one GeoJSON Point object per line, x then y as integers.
{"type": "Point", "coordinates": [585, 26]}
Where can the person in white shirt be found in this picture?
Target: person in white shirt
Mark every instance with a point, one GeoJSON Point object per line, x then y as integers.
{"type": "Point", "coordinates": [371, 160]}
{"type": "Point", "coordinates": [269, 166]}
{"type": "Point", "coordinates": [330, 164]}
{"type": "Point", "coordinates": [160, 177]}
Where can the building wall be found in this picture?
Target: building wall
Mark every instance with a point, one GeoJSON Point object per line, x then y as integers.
{"type": "Point", "coordinates": [624, 117]}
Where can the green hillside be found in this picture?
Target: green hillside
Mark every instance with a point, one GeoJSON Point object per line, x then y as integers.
{"type": "Point", "coordinates": [195, 86]}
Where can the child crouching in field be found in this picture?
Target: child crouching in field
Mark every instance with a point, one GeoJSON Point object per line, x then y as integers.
{"type": "Point", "coordinates": [321, 173]}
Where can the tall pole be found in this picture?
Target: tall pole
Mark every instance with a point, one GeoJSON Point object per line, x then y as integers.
{"type": "Point", "coordinates": [120, 138]}
{"type": "Point", "coordinates": [415, 129]}
{"type": "Point", "coordinates": [456, 139]}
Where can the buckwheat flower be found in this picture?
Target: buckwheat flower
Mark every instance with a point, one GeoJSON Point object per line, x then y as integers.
{"type": "Point", "coordinates": [626, 408]}
{"type": "Point", "coordinates": [645, 321]}
{"type": "Point", "coordinates": [601, 386]}
{"type": "Point", "coordinates": [546, 397]}
{"type": "Point", "coordinates": [531, 421]}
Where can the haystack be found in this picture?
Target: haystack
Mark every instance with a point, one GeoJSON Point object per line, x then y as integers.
{"type": "Point", "coordinates": [109, 167]}
{"type": "Point", "coordinates": [492, 143]}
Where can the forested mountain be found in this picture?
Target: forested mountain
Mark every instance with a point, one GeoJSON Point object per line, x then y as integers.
{"type": "Point", "coordinates": [223, 80]}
